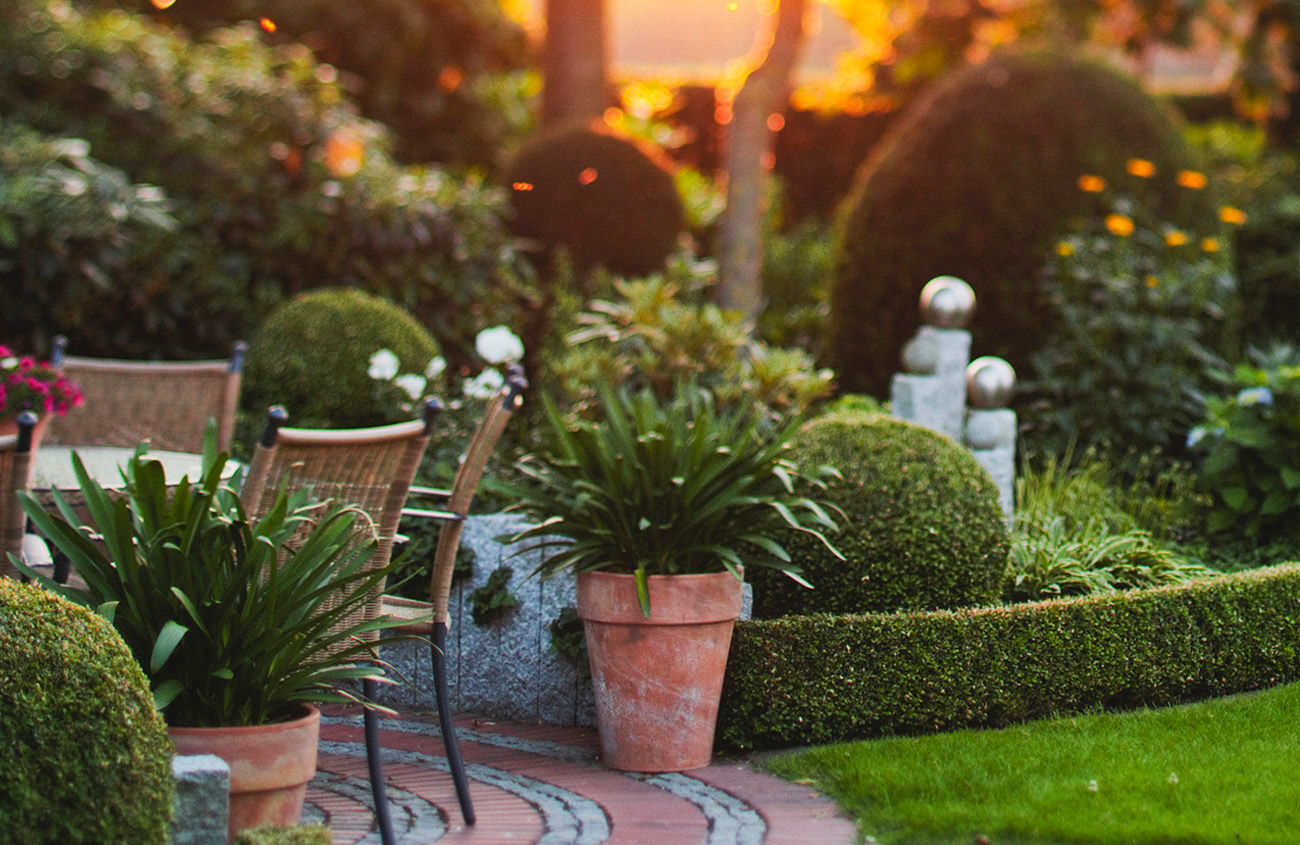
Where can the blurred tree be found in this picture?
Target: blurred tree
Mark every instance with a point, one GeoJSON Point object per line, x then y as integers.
{"type": "Point", "coordinates": [575, 62]}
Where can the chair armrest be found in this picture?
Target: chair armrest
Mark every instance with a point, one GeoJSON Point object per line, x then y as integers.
{"type": "Point", "coordinates": [424, 514]}
{"type": "Point", "coordinates": [429, 491]}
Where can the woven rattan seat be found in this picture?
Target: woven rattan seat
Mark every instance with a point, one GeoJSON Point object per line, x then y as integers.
{"type": "Point", "coordinates": [16, 454]}
{"type": "Point", "coordinates": [168, 403]}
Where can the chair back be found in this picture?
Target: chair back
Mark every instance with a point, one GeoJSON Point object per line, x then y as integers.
{"type": "Point", "coordinates": [465, 485]}
{"type": "Point", "coordinates": [166, 402]}
{"type": "Point", "coordinates": [16, 454]}
{"type": "Point", "coordinates": [371, 468]}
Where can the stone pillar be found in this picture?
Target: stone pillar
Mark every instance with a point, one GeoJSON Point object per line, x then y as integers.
{"type": "Point", "coordinates": [991, 426]}
{"type": "Point", "coordinates": [201, 807]}
{"type": "Point", "coordinates": [932, 390]}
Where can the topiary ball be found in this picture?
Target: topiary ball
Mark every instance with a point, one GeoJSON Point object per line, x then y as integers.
{"type": "Point", "coordinates": [611, 202]}
{"type": "Point", "coordinates": [312, 355]}
{"type": "Point", "coordinates": [921, 527]}
{"type": "Point", "coordinates": [84, 756]}
{"type": "Point", "coordinates": [977, 180]}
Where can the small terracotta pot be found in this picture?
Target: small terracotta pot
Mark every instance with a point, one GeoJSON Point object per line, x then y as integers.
{"type": "Point", "coordinates": [270, 766]}
{"type": "Point", "coordinates": [9, 425]}
{"type": "Point", "coordinates": [657, 681]}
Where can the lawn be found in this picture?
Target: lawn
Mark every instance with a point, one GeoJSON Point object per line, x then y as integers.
{"type": "Point", "coordinates": [1222, 771]}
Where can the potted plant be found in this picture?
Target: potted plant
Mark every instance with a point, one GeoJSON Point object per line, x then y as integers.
{"type": "Point", "coordinates": [657, 506]}
{"type": "Point", "coordinates": [241, 624]}
{"type": "Point", "coordinates": [30, 385]}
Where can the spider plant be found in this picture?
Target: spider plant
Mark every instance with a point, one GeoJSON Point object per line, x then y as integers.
{"type": "Point", "coordinates": [669, 487]}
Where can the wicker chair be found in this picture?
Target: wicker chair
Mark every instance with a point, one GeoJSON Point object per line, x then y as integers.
{"type": "Point", "coordinates": [16, 454]}
{"type": "Point", "coordinates": [168, 403]}
{"type": "Point", "coordinates": [432, 618]}
{"type": "Point", "coordinates": [371, 468]}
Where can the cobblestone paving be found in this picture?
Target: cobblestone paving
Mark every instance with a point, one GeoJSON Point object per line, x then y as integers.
{"type": "Point", "coordinates": [543, 784]}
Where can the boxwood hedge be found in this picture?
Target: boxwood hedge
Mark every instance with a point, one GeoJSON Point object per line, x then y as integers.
{"type": "Point", "coordinates": [817, 679]}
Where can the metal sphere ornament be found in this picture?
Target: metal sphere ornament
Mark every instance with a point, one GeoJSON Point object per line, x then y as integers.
{"type": "Point", "coordinates": [947, 303]}
{"type": "Point", "coordinates": [990, 383]}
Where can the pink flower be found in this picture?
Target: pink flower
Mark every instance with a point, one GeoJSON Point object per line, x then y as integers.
{"type": "Point", "coordinates": [16, 378]}
{"type": "Point", "coordinates": [5, 352]}
{"type": "Point", "coordinates": [26, 363]}
{"type": "Point", "coordinates": [38, 386]}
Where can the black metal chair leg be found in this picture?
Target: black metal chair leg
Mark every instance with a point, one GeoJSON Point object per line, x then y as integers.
{"type": "Point", "coordinates": [444, 721]}
{"type": "Point", "coordinates": [373, 748]}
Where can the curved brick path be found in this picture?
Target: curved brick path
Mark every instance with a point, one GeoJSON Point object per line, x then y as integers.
{"type": "Point", "coordinates": [542, 784]}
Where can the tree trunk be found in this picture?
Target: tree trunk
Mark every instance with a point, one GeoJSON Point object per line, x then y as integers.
{"type": "Point", "coordinates": [575, 77]}
{"type": "Point", "coordinates": [755, 116]}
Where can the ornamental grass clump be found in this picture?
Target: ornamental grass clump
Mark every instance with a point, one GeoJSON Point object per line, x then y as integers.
{"type": "Point", "coordinates": [668, 487]}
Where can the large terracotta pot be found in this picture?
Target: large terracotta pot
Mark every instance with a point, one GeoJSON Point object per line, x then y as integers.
{"type": "Point", "coordinates": [657, 681]}
{"type": "Point", "coordinates": [270, 766]}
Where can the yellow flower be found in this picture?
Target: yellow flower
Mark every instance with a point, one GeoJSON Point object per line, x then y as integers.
{"type": "Point", "coordinates": [1175, 238]}
{"type": "Point", "coordinates": [1152, 281]}
{"type": "Point", "coordinates": [1119, 225]}
{"type": "Point", "coordinates": [1210, 245]}
{"type": "Point", "coordinates": [1141, 168]}
{"type": "Point", "coordinates": [1092, 184]}
{"type": "Point", "coordinates": [1191, 179]}
{"type": "Point", "coordinates": [1235, 216]}
{"type": "Point", "coordinates": [1063, 249]}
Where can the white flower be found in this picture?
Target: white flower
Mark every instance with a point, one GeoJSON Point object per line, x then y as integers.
{"type": "Point", "coordinates": [436, 367]}
{"type": "Point", "coordinates": [383, 365]}
{"type": "Point", "coordinates": [485, 385]}
{"type": "Point", "coordinates": [1255, 396]}
{"type": "Point", "coordinates": [9, 363]}
{"type": "Point", "coordinates": [498, 345]}
{"type": "Point", "coordinates": [412, 384]}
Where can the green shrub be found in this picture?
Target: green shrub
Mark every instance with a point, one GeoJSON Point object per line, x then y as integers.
{"type": "Point", "coordinates": [314, 834]}
{"type": "Point", "coordinates": [609, 201]}
{"type": "Point", "coordinates": [446, 75]}
{"type": "Point", "coordinates": [920, 523]}
{"type": "Point", "coordinates": [817, 679]}
{"type": "Point", "coordinates": [977, 180]}
{"type": "Point", "coordinates": [660, 331]}
{"type": "Point", "coordinates": [313, 355]}
{"type": "Point", "coordinates": [1146, 309]}
{"type": "Point", "coordinates": [275, 184]}
{"type": "Point", "coordinates": [1249, 444]}
{"type": "Point", "coordinates": [84, 757]}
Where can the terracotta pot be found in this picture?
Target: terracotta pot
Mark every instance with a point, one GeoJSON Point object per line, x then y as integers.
{"type": "Point", "coordinates": [657, 681]}
{"type": "Point", "coordinates": [270, 766]}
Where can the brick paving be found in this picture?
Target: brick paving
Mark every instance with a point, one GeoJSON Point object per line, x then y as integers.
{"type": "Point", "coordinates": [545, 784]}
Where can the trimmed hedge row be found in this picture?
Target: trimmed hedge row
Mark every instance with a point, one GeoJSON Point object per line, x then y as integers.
{"type": "Point", "coordinates": [819, 679]}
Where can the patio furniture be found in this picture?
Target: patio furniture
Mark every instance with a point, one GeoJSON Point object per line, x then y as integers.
{"type": "Point", "coordinates": [432, 618]}
{"type": "Point", "coordinates": [168, 403]}
{"type": "Point", "coordinates": [15, 465]}
{"type": "Point", "coordinates": [371, 468]}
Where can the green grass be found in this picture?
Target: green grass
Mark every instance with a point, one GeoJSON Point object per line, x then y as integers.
{"type": "Point", "coordinates": [1222, 771]}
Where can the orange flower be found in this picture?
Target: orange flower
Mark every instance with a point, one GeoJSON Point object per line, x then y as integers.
{"type": "Point", "coordinates": [1174, 237]}
{"type": "Point", "coordinates": [1119, 225]}
{"type": "Point", "coordinates": [1210, 245]}
{"type": "Point", "coordinates": [1092, 184]}
{"type": "Point", "coordinates": [1191, 179]}
{"type": "Point", "coordinates": [1152, 281]}
{"type": "Point", "coordinates": [1140, 168]}
{"type": "Point", "coordinates": [343, 154]}
{"type": "Point", "coordinates": [1235, 216]}
{"type": "Point", "coordinates": [1063, 249]}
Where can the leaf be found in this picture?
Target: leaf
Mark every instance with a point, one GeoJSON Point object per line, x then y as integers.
{"type": "Point", "coordinates": [643, 591]}
{"type": "Point", "coordinates": [168, 638]}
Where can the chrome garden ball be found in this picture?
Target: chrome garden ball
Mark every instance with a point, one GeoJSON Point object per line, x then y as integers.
{"type": "Point", "coordinates": [990, 382]}
{"type": "Point", "coordinates": [947, 303]}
